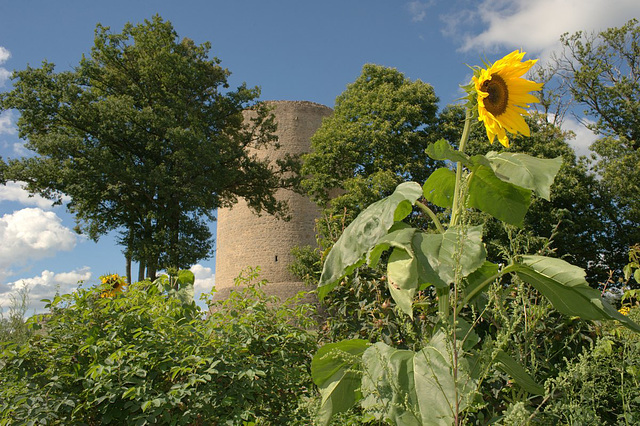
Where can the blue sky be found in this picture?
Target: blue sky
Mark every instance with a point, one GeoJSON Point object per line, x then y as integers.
{"type": "Point", "coordinates": [292, 49]}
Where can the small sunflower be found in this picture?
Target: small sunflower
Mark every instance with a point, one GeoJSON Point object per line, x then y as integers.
{"type": "Point", "coordinates": [113, 283]}
{"type": "Point", "coordinates": [624, 310]}
{"type": "Point", "coordinates": [503, 94]}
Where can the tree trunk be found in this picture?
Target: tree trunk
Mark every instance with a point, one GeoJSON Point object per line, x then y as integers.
{"type": "Point", "coordinates": [141, 268]}
{"type": "Point", "coordinates": [128, 266]}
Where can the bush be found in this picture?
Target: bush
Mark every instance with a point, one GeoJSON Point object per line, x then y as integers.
{"type": "Point", "coordinates": [148, 355]}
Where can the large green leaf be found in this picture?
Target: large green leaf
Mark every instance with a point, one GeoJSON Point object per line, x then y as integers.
{"type": "Point", "coordinates": [408, 267]}
{"type": "Point", "coordinates": [518, 373]}
{"type": "Point", "coordinates": [437, 391]}
{"type": "Point", "coordinates": [464, 246]}
{"type": "Point", "coordinates": [388, 384]}
{"type": "Point", "coordinates": [536, 174]}
{"type": "Point", "coordinates": [500, 199]}
{"type": "Point", "coordinates": [439, 187]}
{"type": "Point", "coordinates": [427, 248]}
{"type": "Point", "coordinates": [364, 233]}
{"type": "Point", "coordinates": [415, 388]}
{"type": "Point", "coordinates": [564, 285]}
{"type": "Point", "coordinates": [334, 370]}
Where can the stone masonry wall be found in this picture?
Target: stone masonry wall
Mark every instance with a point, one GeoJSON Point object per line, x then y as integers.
{"type": "Point", "coordinates": [245, 239]}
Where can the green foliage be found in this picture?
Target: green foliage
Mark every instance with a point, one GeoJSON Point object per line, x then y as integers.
{"type": "Point", "coordinates": [145, 138]}
{"type": "Point", "coordinates": [580, 221]}
{"type": "Point", "coordinates": [439, 383]}
{"type": "Point", "coordinates": [348, 252]}
{"type": "Point", "coordinates": [147, 356]}
{"type": "Point", "coordinates": [381, 124]}
{"type": "Point", "coordinates": [602, 385]}
{"type": "Point", "coordinates": [601, 73]}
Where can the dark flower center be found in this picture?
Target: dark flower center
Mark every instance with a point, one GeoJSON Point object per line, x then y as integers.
{"type": "Point", "coordinates": [496, 102]}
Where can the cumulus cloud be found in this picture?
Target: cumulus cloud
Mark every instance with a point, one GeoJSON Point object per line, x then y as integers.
{"type": "Point", "coordinates": [205, 279]}
{"type": "Point", "coordinates": [4, 74]}
{"type": "Point", "coordinates": [44, 286]}
{"type": "Point", "coordinates": [6, 123]}
{"type": "Point", "coordinates": [418, 9]}
{"type": "Point", "coordinates": [535, 26]}
{"type": "Point", "coordinates": [30, 234]}
{"type": "Point", "coordinates": [13, 191]}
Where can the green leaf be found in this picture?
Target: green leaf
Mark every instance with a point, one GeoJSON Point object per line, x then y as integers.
{"type": "Point", "coordinates": [426, 248]}
{"type": "Point", "coordinates": [502, 200]}
{"type": "Point", "coordinates": [441, 150]}
{"type": "Point", "coordinates": [436, 389]}
{"type": "Point", "coordinates": [364, 233]}
{"type": "Point", "coordinates": [511, 367]}
{"type": "Point", "coordinates": [185, 278]}
{"type": "Point", "coordinates": [636, 275]}
{"type": "Point", "coordinates": [564, 285]}
{"type": "Point", "coordinates": [402, 274]}
{"type": "Point", "coordinates": [333, 370]}
{"type": "Point", "coordinates": [388, 385]}
{"type": "Point", "coordinates": [398, 385]}
{"type": "Point", "coordinates": [439, 187]}
{"type": "Point", "coordinates": [409, 265]}
{"type": "Point", "coordinates": [536, 174]}
{"type": "Point", "coordinates": [472, 252]}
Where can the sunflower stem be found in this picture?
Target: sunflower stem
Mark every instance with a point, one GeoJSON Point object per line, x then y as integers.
{"type": "Point", "coordinates": [455, 211]}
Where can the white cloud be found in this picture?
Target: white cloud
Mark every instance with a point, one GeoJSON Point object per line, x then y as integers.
{"type": "Point", "coordinates": [44, 286]}
{"type": "Point", "coordinates": [418, 9]}
{"type": "Point", "coordinates": [6, 122]}
{"type": "Point", "coordinates": [19, 149]}
{"type": "Point", "coordinates": [536, 26]}
{"type": "Point", "coordinates": [584, 137]}
{"type": "Point", "coordinates": [4, 74]}
{"type": "Point", "coordinates": [13, 191]}
{"type": "Point", "coordinates": [30, 234]}
{"type": "Point", "coordinates": [205, 279]}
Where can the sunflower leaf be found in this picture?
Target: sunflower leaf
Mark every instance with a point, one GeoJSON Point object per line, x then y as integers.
{"type": "Point", "coordinates": [536, 174]}
{"type": "Point", "coordinates": [334, 370]}
{"type": "Point", "coordinates": [566, 288]}
{"type": "Point", "coordinates": [502, 200]}
{"type": "Point", "coordinates": [364, 233]}
{"type": "Point", "coordinates": [439, 187]}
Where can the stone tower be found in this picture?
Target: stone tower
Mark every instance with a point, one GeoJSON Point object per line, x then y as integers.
{"type": "Point", "coordinates": [245, 239]}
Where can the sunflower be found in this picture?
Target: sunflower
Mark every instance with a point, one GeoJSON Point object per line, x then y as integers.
{"type": "Point", "coordinates": [502, 96]}
{"type": "Point", "coordinates": [113, 283]}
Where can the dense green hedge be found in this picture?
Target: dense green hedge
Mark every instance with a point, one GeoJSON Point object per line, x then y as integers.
{"type": "Point", "coordinates": [148, 355]}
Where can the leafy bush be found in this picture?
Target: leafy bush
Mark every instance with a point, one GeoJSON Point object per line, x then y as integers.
{"type": "Point", "coordinates": [149, 356]}
{"type": "Point", "coordinates": [602, 385]}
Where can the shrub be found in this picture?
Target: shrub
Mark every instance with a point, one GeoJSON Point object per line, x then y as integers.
{"type": "Point", "coordinates": [148, 355]}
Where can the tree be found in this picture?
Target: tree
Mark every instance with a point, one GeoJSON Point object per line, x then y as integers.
{"type": "Point", "coordinates": [145, 138]}
{"type": "Point", "coordinates": [375, 139]}
{"type": "Point", "coordinates": [602, 73]}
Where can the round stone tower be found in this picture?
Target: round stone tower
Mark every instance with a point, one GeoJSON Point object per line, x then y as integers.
{"type": "Point", "coordinates": [246, 239]}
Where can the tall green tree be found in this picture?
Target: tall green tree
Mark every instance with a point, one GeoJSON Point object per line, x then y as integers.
{"type": "Point", "coordinates": [602, 72]}
{"type": "Point", "coordinates": [375, 139]}
{"type": "Point", "coordinates": [146, 138]}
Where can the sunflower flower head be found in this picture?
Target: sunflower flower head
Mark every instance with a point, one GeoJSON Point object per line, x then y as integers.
{"type": "Point", "coordinates": [113, 284]}
{"type": "Point", "coordinates": [502, 96]}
